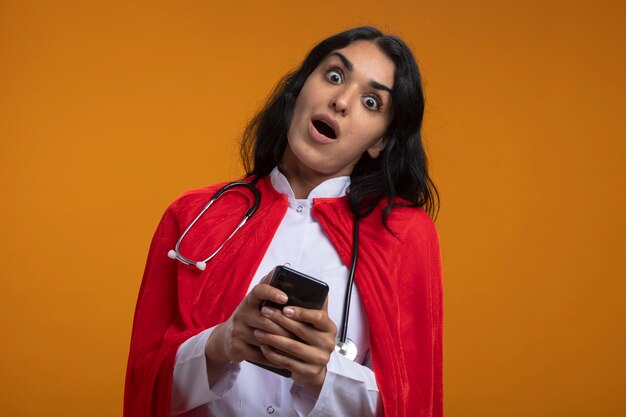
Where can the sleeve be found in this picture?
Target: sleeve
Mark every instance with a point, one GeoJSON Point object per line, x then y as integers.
{"type": "Point", "coordinates": [190, 383]}
{"type": "Point", "coordinates": [157, 330]}
{"type": "Point", "coordinates": [349, 390]}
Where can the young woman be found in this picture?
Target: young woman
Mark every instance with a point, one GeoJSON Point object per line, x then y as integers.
{"type": "Point", "coordinates": [337, 160]}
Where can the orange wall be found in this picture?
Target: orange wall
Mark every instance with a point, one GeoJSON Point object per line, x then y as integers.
{"type": "Point", "coordinates": [110, 110]}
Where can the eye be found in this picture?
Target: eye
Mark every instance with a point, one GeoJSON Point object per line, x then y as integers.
{"type": "Point", "coordinates": [334, 75]}
{"type": "Point", "coordinates": [372, 103]}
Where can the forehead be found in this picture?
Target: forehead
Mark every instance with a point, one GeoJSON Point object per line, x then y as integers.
{"type": "Point", "coordinates": [368, 61]}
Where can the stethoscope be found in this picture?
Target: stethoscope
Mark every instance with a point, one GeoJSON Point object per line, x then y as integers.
{"type": "Point", "coordinates": [344, 346]}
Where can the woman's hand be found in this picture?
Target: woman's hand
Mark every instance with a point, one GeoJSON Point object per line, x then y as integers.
{"type": "Point", "coordinates": [233, 340]}
{"type": "Point", "coordinates": [307, 357]}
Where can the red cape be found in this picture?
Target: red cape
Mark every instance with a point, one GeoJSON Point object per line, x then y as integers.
{"type": "Point", "coordinates": [399, 278]}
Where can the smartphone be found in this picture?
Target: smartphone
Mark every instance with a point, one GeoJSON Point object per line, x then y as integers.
{"type": "Point", "coordinates": [302, 290]}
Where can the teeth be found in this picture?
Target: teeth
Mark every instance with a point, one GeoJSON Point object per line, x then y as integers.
{"type": "Point", "coordinates": [324, 129]}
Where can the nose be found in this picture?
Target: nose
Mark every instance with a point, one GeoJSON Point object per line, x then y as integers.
{"type": "Point", "coordinates": [340, 102]}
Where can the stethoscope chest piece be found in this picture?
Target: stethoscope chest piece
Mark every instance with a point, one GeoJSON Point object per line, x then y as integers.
{"type": "Point", "coordinates": [347, 349]}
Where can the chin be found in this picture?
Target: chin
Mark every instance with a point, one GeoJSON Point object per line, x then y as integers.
{"type": "Point", "coordinates": [304, 156]}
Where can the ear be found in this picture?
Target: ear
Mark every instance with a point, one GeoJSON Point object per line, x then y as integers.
{"type": "Point", "coordinates": [375, 150]}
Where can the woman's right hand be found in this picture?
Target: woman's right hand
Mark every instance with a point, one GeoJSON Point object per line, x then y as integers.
{"type": "Point", "coordinates": [233, 340]}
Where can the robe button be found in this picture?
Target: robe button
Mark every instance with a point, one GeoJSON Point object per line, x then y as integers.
{"type": "Point", "coordinates": [270, 410]}
{"type": "Point", "coordinates": [299, 209]}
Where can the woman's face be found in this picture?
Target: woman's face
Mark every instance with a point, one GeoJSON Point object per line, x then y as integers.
{"type": "Point", "coordinates": [342, 111]}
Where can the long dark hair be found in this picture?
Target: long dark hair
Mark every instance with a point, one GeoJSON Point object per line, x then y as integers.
{"type": "Point", "coordinates": [401, 169]}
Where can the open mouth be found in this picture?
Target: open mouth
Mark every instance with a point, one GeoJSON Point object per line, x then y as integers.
{"type": "Point", "coordinates": [325, 129]}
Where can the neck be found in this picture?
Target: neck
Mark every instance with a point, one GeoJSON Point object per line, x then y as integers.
{"type": "Point", "coordinates": [301, 178]}
{"type": "Point", "coordinates": [302, 185]}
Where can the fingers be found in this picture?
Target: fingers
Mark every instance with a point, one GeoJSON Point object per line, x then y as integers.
{"type": "Point", "coordinates": [292, 315]}
{"type": "Point", "coordinates": [240, 338]}
{"type": "Point", "coordinates": [240, 343]}
{"type": "Point", "coordinates": [247, 316]}
{"type": "Point", "coordinates": [307, 335]}
{"type": "Point", "coordinates": [301, 371]}
{"type": "Point", "coordinates": [245, 352]}
{"type": "Point", "coordinates": [318, 329]}
{"type": "Point", "coordinates": [264, 291]}
{"type": "Point", "coordinates": [263, 323]}
{"type": "Point", "coordinates": [268, 277]}
{"type": "Point", "coordinates": [306, 363]}
{"type": "Point", "coordinates": [292, 349]}
{"type": "Point", "coordinates": [244, 324]}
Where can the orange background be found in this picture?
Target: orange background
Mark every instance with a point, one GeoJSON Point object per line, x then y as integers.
{"type": "Point", "coordinates": [109, 110]}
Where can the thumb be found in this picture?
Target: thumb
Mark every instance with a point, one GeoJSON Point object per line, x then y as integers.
{"type": "Point", "coordinates": [268, 277]}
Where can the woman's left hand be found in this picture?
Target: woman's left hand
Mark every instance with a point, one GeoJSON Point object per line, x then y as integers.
{"type": "Point", "coordinates": [305, 358]}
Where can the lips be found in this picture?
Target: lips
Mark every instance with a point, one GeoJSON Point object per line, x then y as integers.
{"type": "Point", "coordinates": [326, 126]}
{"type": "Point", "coordinates": [324, 129]}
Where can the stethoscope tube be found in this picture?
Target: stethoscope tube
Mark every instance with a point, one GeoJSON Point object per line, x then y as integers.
{"type": "Point", "coordinates": [344, 346]}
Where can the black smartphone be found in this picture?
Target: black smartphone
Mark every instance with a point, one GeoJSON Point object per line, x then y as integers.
{"type": "Point", "coordinates": [302, 290]}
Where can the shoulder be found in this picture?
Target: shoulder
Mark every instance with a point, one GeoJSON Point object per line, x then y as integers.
{"type": "Point", "coordinates": [411, 234]}
{"type": "Point", "coordinates": [188, 204]}
{"type": "Point", "coordinates": [195, 196]}
{"type": "Point", "coordinates": [198, 197]}
{"type": "Point", "coordinates": [412, 222]}
{"type": "Point", "coordinates": [409, 229]}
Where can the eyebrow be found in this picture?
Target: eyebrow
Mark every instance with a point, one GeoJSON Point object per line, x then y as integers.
{"type": "Point", "coordinates": [346, 62]}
